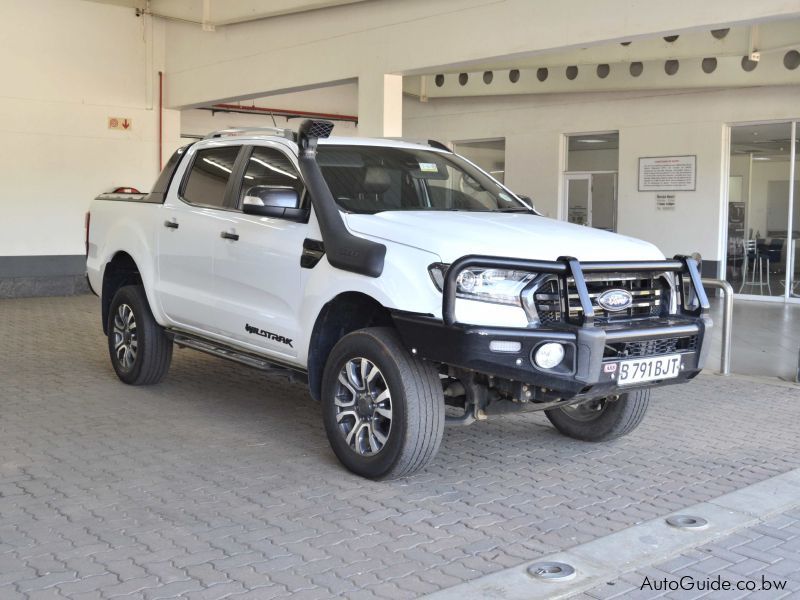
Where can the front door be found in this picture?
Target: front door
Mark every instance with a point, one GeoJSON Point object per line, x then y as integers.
{"type": "Point", "coordinates": [257, 266]}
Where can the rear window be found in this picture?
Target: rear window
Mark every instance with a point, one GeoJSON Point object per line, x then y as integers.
{"type": "Point", "coordinates": [208, 179]}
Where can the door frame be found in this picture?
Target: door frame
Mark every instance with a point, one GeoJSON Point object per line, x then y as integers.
{"type": "Point", "coordinates": [786, 297]}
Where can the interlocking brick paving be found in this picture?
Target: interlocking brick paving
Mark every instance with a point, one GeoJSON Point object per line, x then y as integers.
{"type": "Point", "coordinates": [219, 482]}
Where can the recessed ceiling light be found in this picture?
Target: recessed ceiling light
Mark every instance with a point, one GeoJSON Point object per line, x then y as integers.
{"type": "Point", "coordinates": [591, 141]}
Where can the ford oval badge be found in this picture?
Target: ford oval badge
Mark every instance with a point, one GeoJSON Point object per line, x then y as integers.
{"type": "Point", "coordinates": [615, 300]}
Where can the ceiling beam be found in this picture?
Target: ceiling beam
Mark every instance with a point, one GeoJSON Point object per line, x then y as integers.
{"type": "Point", "coordinates": [610, 77]}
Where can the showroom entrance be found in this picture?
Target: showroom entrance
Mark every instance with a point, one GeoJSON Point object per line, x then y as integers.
{"type": "Point", "coordinates": [763, 223]}
{"type": "Point", "coordinates": [590, 180]}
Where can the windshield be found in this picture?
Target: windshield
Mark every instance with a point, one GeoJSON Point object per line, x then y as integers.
{"type": "Point", "coordinates": [370, 179]}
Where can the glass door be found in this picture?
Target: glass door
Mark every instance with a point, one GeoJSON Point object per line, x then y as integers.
{"type": "Point", "coordinates": [590, 179]}
{"type": "Point", "coordinates": [604, 201]}
{"type": "Point", "coordinates": [591, 199]}
{"type": "Point", "coordinates": [579, 199]}
{"type": "Point", "coordinates": [763, 218]}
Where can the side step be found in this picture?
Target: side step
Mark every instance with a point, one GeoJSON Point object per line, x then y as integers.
{"type": "Point", "coordinates": [184, 340]}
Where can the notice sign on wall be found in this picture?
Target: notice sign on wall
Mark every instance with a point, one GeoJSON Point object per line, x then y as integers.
{"type": "Point", "coordinates": [665, 201]}
{"type": "Point", "coordinates": [667, 173]}
{"type": "Point", "coordinates": [119, 123]}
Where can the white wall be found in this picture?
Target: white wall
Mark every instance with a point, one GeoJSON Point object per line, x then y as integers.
{"type": "Point", "coordinates": [649, 124]}
{"type": "Point", "coordinates": [69, 66]}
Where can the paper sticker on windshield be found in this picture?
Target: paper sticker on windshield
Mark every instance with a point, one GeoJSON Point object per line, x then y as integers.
{"type": "Point", "coordinates": [428, 167]}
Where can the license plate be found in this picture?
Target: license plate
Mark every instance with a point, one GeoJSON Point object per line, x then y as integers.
{"type": "Point", "coordinates": [641, 370]}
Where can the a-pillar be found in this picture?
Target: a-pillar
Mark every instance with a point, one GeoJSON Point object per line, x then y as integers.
{"type": "Point", "coordinates": [380, 105]}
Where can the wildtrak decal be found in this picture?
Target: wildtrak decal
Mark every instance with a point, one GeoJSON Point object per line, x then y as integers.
{"type": "Point", "coordinates": [268, 334]}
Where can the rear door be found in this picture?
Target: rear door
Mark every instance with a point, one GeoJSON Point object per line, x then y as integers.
{"type": "Point", "coordinates": [258, 266]}
{"type": "Point", "coordinates": [193, 219]}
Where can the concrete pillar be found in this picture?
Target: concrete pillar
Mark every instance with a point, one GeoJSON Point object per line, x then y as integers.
{"type": "Point", "coordinates": [380, 105]}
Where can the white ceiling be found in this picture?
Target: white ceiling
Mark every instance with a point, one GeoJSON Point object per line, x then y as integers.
{"type": "Point", "coordinates": [770, 139]}
{"type": "Point", "coordinates": [226, 12]}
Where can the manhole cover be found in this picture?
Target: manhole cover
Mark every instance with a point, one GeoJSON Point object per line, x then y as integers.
{"type": "Point", "coordinates": [687, 522]}
{"type": "Point", "coordinates": [552, 571]}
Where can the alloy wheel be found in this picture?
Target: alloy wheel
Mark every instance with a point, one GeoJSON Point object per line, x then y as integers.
{"type": "Point", "coordinates": [126, 342]}
{"type": "Point", "coordinates": [363, 406]}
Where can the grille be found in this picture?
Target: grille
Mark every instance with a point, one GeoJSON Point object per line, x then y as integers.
{"type": "Point", "coordinates": [649, 291]}
{"type": "Point", "coordinates": [656, 347]}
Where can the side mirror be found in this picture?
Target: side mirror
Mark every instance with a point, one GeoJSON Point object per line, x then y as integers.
{"type": "Point", "coordinates": [266, 201]}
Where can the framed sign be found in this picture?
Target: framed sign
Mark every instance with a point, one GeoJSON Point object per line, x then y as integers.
{"type": "Point", "coordinates": [668, 173]}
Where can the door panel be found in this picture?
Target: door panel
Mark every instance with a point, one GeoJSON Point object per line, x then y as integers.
{"type": "Point", "coordinates": [259, 280]}
{"type": "Point", "coordinates": [192, 220]}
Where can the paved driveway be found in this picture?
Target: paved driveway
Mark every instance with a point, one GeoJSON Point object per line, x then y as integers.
{"type": "Point", "coordinates": [220, 483]}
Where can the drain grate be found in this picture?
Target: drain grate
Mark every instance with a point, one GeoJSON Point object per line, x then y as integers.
{"type": "Point", "coordinates": [687, 522]}
{"type": "Point", "coordinates": [552, 571]}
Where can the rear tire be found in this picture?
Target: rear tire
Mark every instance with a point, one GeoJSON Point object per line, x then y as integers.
{"type": "Point", "coordinates": [139, 348]}
{"type": "Point", "coordinates": [601, 420]}
{"type": "Point", "coordinates": [383, 409]}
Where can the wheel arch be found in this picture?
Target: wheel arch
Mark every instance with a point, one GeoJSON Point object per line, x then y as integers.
{"type": "Point", "coordinates": [120, 271]}
{"type": "Point", "coordinates": [343, 314]}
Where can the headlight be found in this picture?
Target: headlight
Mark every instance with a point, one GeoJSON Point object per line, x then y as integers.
{"type": "Point", "coordinates": [498, 286]}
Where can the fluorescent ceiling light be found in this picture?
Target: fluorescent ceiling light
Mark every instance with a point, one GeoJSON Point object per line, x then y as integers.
{"type": "Point", "coordinates": [216, 164]}
{"type": "Point", "coordinates": [761, 158]}
{"type": "Point", "coordinates": [592, 141]}
{"type": "Point", "coordinates": [271, 168]}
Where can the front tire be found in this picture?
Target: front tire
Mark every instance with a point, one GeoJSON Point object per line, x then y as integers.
{"type": "Point", "coordinates": [140, 350]}
{"type": "Point", "coordinates": [383, 409]}
{"type": "Point", "coordinates": [603, 419]}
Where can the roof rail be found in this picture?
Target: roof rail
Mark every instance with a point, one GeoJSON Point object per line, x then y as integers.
{"type": "Point", "coordinates": [432, 143]}
{"type": "Point", "coordinates": [234, 131]}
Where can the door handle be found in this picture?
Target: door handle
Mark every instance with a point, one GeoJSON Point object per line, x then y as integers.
{"type": "Point", "coordinates": [171, 224]}
{"type": "Point", "coordinates": [226, 235]}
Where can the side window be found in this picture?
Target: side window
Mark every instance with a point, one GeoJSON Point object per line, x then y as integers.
{"type": "Point", "coordinates": [209, 176]}
{"type": "Point", "coordinates": [269, 167]}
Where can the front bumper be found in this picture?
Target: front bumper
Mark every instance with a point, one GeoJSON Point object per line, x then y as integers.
{"type": "Point", "coordinates": [586, 370]}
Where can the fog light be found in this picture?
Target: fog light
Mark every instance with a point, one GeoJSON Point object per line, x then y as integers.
{"type": "Point", "coordinates": [504, 346]}
{"type": "Point", "coordinates": [549, 355]}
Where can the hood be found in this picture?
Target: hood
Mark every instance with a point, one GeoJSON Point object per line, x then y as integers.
{"type": "Point", "coordinates": [452, 234]}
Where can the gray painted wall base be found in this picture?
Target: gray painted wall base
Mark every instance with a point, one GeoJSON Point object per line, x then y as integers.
{"type": "Point", "coordinates": [26, 287]}
{"type": "Point", "coordinates": [58, 275]}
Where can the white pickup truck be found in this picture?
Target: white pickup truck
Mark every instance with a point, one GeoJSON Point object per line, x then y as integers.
{"type": "Point", "coordinates": [395, 279]}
